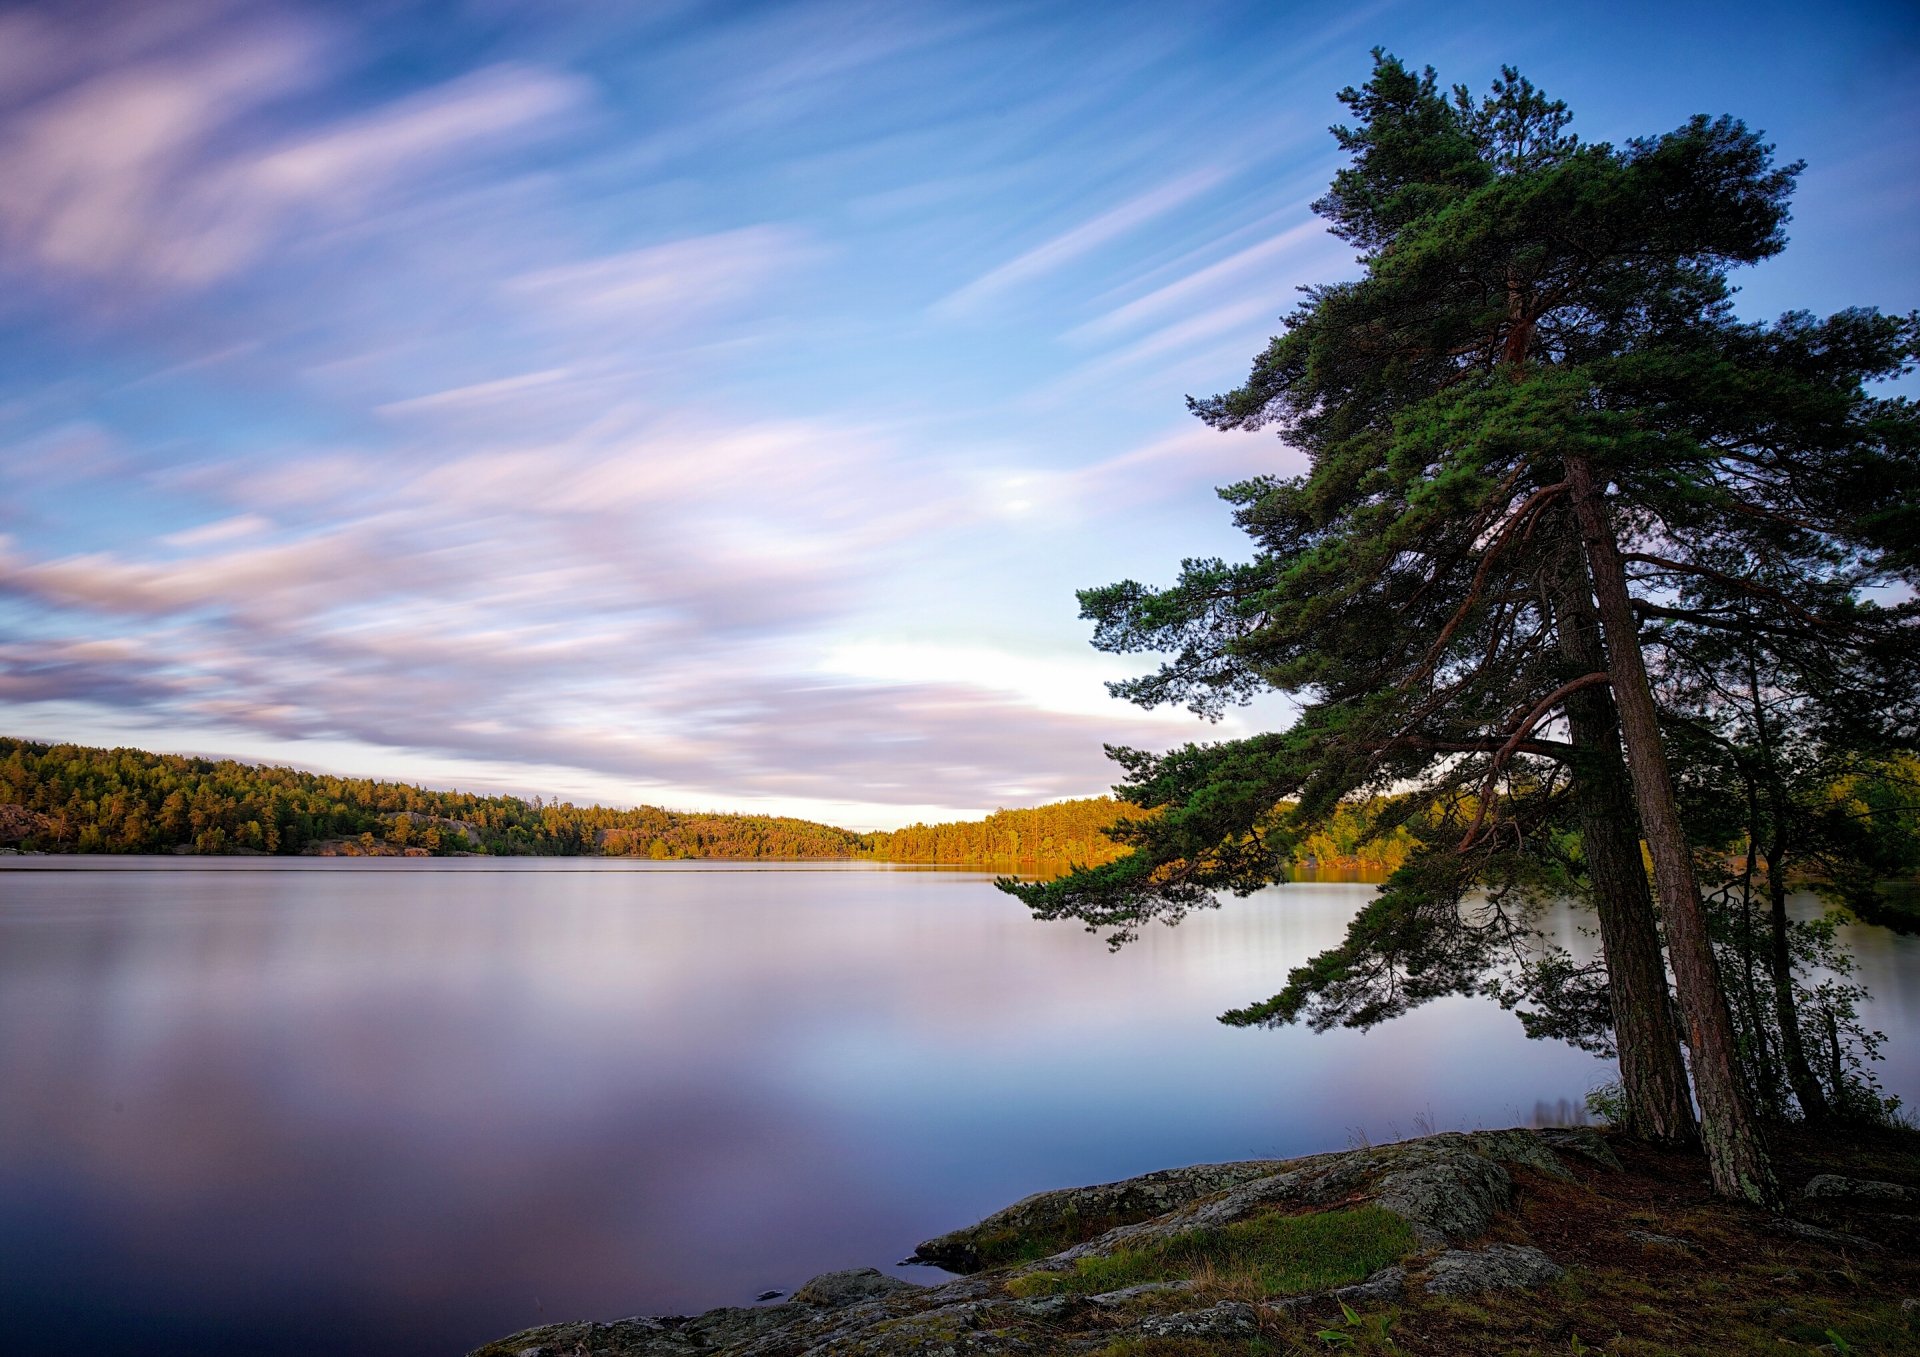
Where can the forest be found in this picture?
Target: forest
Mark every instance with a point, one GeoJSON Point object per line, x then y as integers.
{"type": "Point", "coordinates": [71, 799]}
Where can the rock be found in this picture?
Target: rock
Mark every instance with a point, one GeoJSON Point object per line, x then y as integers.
{"type": "Point", "coordinates": [1497, 1267]}
{"type": "Point", "coordinates": [1070, 1215]}
{"type": "Point", "coordinates": [733, 1325]}
{"type": "Point", "coordinates": [1388, 1284]}
{"type": "Point", "coordinates": [1583, 1141]}
{"type": "Point", "coordinates": [971, 1329]}
{"type": "Point", "coordinates": [1225, 1320]}
{"type": "Point", "coordinates": [621, 1338]}
{"type": "Point", "coordinates": [1111, 1299]}
{"type": "Point", "coordinates": [17, 823]}
{"type": "Point", "coordinates": [1665, 1240]}
{"type": "Point", "coordinates": [1528, 1148]}
{"type": "Point", "coordinates": [1835, 1187]}
{"type": "Point", "coordinates": [831, 1290]}
{"type": "Point", "coordinates": [1045, 1307]}
{"type": "Point", "coordinates": [1800, 1229]}
{"type": "Point", "coordinates": [1445, 1191]}
{"type": "Point", "coordinates": [1449, 1187]}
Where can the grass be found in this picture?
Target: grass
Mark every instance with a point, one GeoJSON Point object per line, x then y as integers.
{"type": "Point", "coordinates": [999, 1248]}
{"type": "Point", "coordinates": [1269, 1255]}
{"type": "Point", "coordinates": [1189, 1347]}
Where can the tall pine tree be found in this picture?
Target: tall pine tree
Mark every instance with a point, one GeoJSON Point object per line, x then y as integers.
{"type": "Point", "coordinates": [1531, 423]}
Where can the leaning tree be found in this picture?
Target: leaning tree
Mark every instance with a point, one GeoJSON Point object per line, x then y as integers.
{"type": "Point", "coordinates": [1531, 424]}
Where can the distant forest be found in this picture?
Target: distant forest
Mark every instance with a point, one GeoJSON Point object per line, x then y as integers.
{"type": "Point", "coordinates": [72, 799]}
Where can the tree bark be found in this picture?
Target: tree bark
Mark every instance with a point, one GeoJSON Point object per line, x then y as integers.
{"type": "Point", "coordinates": [1764, 1084]}
{"type": "Point", "coordinates": [1657, 1103]}
{"type": "Point", "coordinates": [1736, 1153]}
{"type": "Point", "coordinates": [1806, 1087]}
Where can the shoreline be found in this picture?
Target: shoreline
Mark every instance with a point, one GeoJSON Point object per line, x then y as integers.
{"type": "Point", "coordinates": [1513, 1241]}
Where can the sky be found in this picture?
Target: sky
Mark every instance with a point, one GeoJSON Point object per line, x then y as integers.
{"type": "Point", "coordinates": [716, 405]}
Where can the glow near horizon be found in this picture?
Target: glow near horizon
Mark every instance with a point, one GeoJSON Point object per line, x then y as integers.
{"type": "Point", "coordinates": [715, 407]}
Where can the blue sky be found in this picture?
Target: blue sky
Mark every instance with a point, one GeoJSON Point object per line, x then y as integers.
{"type": "Point", "coordinates": [716, 405]}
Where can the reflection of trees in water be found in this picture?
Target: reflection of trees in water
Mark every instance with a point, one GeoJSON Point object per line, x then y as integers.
{"type": "Point", "coordinates": [1559, 1112]}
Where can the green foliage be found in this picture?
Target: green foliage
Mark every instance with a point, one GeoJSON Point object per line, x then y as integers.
{"type": "Point", "coordinates": [1529, 303]}
{"type": "Point", "coordinates": [129, 801]}
{"type": "Point", "coordinates": [1270, 1255]}
{"type": "Point", "coordinates": [1095, 831]}
{"type": "Point", "coordinates": [1607, 1102]}
{"type": "Point", "coordinates": [1061, 833]}
{"type": "Point", "coordinates": [66, 798]}
{"type": "Point", "coordinates": [1356, 1331]}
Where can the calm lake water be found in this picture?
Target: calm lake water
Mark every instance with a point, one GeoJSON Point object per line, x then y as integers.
{"type": "Point", "coordinates": [291, 1106]}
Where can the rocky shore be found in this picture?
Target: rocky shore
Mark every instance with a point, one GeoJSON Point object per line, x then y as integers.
{"type": "Point", "coordinates": [1489, 1241]}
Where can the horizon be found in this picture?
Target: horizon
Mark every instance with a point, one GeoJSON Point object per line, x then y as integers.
{"type": "Point", "coordinates": [524, 797]}
{"type": "Point", "coordinates": [718, 405]}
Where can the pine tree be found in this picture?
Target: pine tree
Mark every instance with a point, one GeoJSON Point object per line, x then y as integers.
{"type": "Point", "coordinates": [1532, 424]}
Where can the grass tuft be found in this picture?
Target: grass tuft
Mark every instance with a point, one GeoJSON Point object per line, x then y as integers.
{"type": "Point", "coordinates": [1268, 1255]}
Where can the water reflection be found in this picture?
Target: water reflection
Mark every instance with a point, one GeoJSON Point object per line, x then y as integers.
{"type": "Point", "coordinates": [379, 1109]}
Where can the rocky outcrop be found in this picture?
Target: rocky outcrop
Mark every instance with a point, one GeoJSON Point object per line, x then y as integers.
{"type": "Point", "coordinates": [1445, 1190]}
{"type": "Point", "coordinates": [831, 1290]}
{"type": "Point", "coordinates": [1497, 1267]}
{"type": "Point", "coordinates": [17, 823]}
{"type": "Point", "coordinates": [354, 848]}
{"type": "Point", "coordinates": [1070, 1215]}
{"type": "Point", "coordinates": [1449, 1189]}
{"type": "Point", "coordinates": [1835, 1187]}
{"type": "Point", "coordinates": [449, 828]}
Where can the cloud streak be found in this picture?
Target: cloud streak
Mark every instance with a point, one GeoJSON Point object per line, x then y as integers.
{"type": "Point", "coordinates": [705, 404]}
{"type": "Point", "coordinates": [1070, 245]}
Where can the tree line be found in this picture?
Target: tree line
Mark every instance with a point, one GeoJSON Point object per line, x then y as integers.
{"type": "Point", "coordinates": [68, 798]}
{"type": "Point", "coordinates": [1082, 833]}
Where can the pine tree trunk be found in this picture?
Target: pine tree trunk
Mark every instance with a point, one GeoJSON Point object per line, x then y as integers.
{"type": "Point", "coordinates": [1657, 1103]}
{"type": "Point", "coordinates": [1736, 1154]}
{"type": "Point", "coordinates": [1764, 1082]}
{"type": "Point", "coordinates": [1806, 1087]}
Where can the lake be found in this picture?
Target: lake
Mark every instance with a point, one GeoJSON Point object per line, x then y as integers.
{"type": "Point", "coordinates": [388, 1106]}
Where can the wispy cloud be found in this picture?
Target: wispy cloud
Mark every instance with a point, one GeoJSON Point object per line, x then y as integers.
{"type": "Point", "coordinates": [220, 530]}
{"type": "Point", "coordinates": [554, 395]}
{"type": "Point", "coordinates": [668, 286]}
{"type": "Point", "coordinates": [482, 394]}
{"type": "Point", "coordinates": [109, 177]}
{"type": "Point", "coordinates": [1070, 245]}
{"type": "Point", "coordinates": [163, 170]}
{"type": "Point", "coordinates": [1182, 292]}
